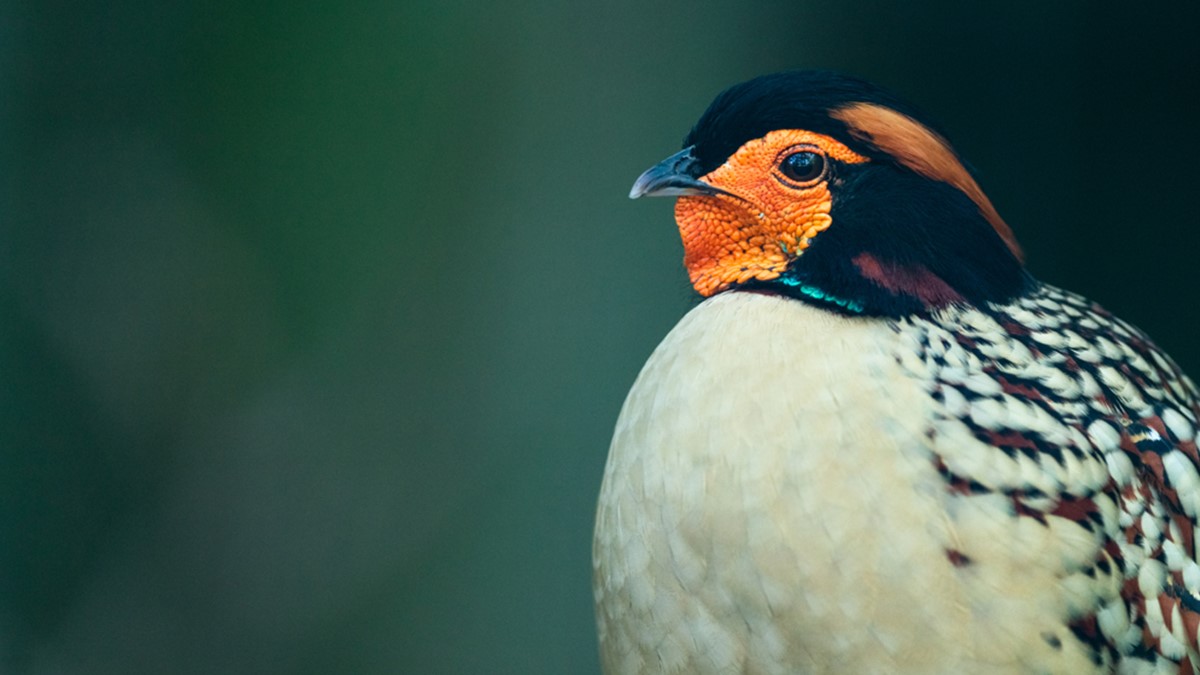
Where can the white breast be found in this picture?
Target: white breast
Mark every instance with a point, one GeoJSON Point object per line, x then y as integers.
{"type": "Point", "coordinates": [771, 505]}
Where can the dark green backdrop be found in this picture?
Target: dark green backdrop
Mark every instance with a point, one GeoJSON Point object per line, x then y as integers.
{"type": "Point", "coordinates": [314, 321]}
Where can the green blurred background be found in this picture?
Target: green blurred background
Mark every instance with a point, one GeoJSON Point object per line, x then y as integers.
{"type": "Point", "coordinates": [315, 320]}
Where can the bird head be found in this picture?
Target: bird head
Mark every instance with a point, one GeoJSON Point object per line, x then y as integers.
{"type": "Point", "coordinates": [825, 188]}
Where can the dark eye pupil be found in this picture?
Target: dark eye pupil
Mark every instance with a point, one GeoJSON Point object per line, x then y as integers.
{"type": "Point", "coordinates": [803, 166]}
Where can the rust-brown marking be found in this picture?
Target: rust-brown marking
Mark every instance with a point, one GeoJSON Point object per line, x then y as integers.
{"type": "Point", "coordinates": [957, 558]}
{"type": "Point", "coordinates": [1077, 510]}
{"type": "Point", "coordinates": [1191, 624]}
{"type": "Point", "coordinates": [1156, 424]}
{"type": "Point", "coordinates": [1189, 448]}
{"type": "Point", "coordinates": [1148, 639]}
{"type": "Point", "coordinates": [1153, 462]}
{"type": "Point", "coordinates": [1166, 605]}
{"type": "Point", "coordinates": [925, 152]}
{"type": "Point", "coordinates": [1014, 439]}
{"type": "Point", "coordinates": [1022, 509]}
{"type": "Point", "coordinates": [1133, 594]}
{"type": "Point", "coordinates": [955, 484]}
{"type": "Point", "coordinates": [1185, 534]}
{"type": "Point", "coordinates": [1113, 549]}
{"type": "Point", "coordinates": [1086, 629]}
{"type": "Point", "coordinates": [916, 281]}
{"type": "Point", "coordinates": [1015, 329]}
{"type": "Point", "coordinates": [967, 342]}
{"type": "Point", "coordinates": [1019, 390]}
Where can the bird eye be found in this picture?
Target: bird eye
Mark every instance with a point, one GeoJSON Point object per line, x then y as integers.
{"type": "Point", "coordinates": [803, 167]}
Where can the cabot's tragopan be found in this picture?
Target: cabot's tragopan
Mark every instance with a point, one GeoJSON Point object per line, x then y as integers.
{"type": "Point", "coordinates": [880, 445]}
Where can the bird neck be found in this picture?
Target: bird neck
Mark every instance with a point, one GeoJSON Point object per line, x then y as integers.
{"type": "Point", "coordinates": [903, 245]}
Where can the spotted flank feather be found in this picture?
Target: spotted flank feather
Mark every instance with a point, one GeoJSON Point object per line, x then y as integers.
{"type": "Point", "coordinates": [1086, 434]}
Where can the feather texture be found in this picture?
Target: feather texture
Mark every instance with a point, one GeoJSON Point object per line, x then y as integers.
{"type": "Point", "coordinates": [1003, 488]}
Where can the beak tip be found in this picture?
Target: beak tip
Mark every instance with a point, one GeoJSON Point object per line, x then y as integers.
{"type": "Point", "coordinates": [672, 177]}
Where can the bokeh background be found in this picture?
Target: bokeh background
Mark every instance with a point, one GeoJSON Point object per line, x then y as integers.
{"type": "Point", "coordinates": [315, 320]}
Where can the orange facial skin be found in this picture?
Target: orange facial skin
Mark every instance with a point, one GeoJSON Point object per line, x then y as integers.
{"type": "Point", "coordinates": [766, 221]}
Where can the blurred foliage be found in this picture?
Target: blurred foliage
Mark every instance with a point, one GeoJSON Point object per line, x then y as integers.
{"type": "Point", "coordinates": [316, 319]}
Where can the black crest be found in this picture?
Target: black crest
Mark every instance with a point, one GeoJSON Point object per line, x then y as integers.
{"type": "Point", "coordinates": [791, 100]}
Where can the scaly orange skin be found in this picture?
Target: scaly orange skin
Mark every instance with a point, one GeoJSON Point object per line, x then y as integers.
{"type": "Point", "coordinates": [766, 221]}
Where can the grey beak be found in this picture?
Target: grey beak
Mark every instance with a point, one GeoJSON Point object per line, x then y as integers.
{"type": "Point", "coordinates": [673, 177]}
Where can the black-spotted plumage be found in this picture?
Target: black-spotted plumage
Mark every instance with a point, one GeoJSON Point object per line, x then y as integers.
{"type": "Point", "coordinates": [895, 451]}
{"type": "Point", "coordinates": [1082, 419]}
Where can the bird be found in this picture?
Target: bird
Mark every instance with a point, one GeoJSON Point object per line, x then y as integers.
{"type": "Point", "coordinates": [878, 443]}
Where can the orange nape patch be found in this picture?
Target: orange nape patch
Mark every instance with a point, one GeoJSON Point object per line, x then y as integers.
{"type": "Point", "coordinates": [924, 151]}
{"type": "Point", "coordinates": [765, 220]}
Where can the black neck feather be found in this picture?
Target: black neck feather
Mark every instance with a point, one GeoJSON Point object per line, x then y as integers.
{"type": "Point", "coordinates": [901, 244]}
